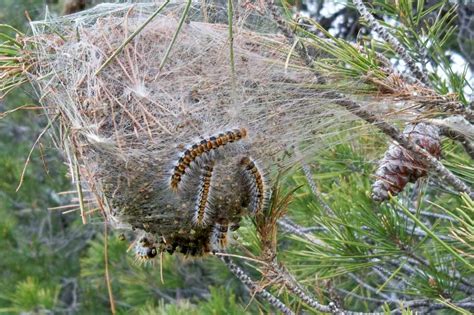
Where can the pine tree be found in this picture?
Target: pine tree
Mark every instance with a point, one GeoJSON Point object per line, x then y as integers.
{"type": "Point", "coordinates": [380, 220]}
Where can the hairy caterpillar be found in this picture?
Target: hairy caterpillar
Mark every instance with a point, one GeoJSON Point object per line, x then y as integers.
{"type": "Point", "coordinates": [145, 250]}
{"type": "Point", "coordinates": [204, 147]}
{"type": "Point", "coordinates": [256, 184]}
{"type": "Point", "coordinates": [201, 215]}
{"type": "Point", "coordinates": [219, 235]}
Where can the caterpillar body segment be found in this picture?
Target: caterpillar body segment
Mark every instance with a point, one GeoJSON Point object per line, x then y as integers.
{"type": "Point", "coordinates": [202, 210]}
{"type": "Point", "coordinates": [256, 184]}
{"type": "Point", "coordinates": [201, 149]}
{"type": "Point", "coordinates": [220, 235]}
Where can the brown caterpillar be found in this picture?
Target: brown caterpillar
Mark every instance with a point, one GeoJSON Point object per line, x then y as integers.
{"type": "Point", "coordinates": [256, 184]}
{"type": "Point", "coordinates": [202, 210]}
{"type": "Point", "coordinates": [205, 146]}
{"type": "Point", "coordinates": [219, 235]}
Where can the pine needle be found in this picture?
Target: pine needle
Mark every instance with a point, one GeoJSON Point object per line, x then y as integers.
{"type": "Point", "coordinates": [230, 16]}
{"type": "Point", "coordinates": [435, 237]}
{"type": "Point", "coordinates": [79, 189]}
{"type": "Point", "coordinates": [132, 36]}
{"type": "Point", "coordinates": [50, 123]}
{"type": "Point", "coordinates": [175, 36]}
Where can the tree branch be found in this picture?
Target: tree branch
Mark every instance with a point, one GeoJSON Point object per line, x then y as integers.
{"type": "Point", "coordinates": [402, 140]}
{"type": "Point", "coordinates": [295, 229]}
{"type": "Point", "coordinates": [392, 41]}
{"type": "Point", "coordinates": [255, 289]}
{"type": "Point", "coordinates": [430, 303]}
{"type": "Point", "coordinates": [353, 107]}
{"type": "Point", "coordinates": [293, 286]}
{"type": "Point", "coordinates": [314, 189]}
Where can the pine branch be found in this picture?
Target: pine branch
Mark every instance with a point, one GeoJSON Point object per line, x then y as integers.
{"type": "Point", "coordinates": [371, 288]}
{"type": "Point", "coordinates": [293, 286]}
{"type": "Point", "coordinates": [385, 64]}
{"type": "Point", "coordinates": [389, 130]}
{"type": "Point", "coordinates": [432, 215]}
{"type": "Point", "coordinates": [255, 289]}
{"type": "Point", "coordinates": [362, 298]}
{"type": "Point", "coordinates": [289, 34]}
{"type": "Point", "coordinates": [429, 303]}
{"type": "Point", "coordinates": [314, 189]}
{"type": "Point", "coordinates": [384, 274]}
{"type": "Point", "coordinates": [402, 140]}
{"type": "Point", "coordinates": [107, 273]}
{"type": "Point", "coordinates": [454, 107]}
{"type": "Point", "coordinates": [462, 136]}
{"type": "Point", "coordinates": [444, 104]}
{"type": "Point", "coordinates": [295, 229]}
{"type": "Point", "coordinates": [414, 262]}
{"type": "Point", "coordinates": [390, 39]}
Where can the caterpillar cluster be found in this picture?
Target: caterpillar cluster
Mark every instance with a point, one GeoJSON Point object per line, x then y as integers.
{"type": "Point", "coordinates": [138, 120]}
{"type": "Point", "coordinates": [201, 159]}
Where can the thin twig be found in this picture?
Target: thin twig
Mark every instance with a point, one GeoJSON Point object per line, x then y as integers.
{"type": "Point", "coordinates": [314, 189]}
{"type": "Point", "coordinates": [293, 286]}
{"type": "Point", "coordinates": [79, 188]}
{"type": "Point", "coordinates": [230, 18]}
{"type": "Point", "coordinates": [50, 123]}
{"type": "Point", "coordinates": [23, 107]}
{"type": "Point", "coordinates": [392, 41]}
{"type": "Point", "coordinates": [132, 36]}
{"type": "Point", "coordinates": [295, 229]}
{"type": "Point", "coordinates": [175, 36]}
{"type": "Point", "coordinates": [255, 289]}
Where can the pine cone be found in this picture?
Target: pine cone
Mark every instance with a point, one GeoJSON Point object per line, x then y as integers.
{"type": "Point", "coordinates": [398, 167]}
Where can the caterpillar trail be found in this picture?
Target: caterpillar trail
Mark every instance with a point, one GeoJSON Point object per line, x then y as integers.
{"type": "Point", "coordinates": [204, 147]}
{"type": "Point", "coordinates": [145, 250]}
{"type": "Point", "coordinates": [202, 210]}
{"type": "Point", "coordinates": [219, 235]}
{"type": "Point", "coordinates": [256, 184]}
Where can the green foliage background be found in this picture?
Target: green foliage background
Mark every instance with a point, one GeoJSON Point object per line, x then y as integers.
{"type": "Point", "coordinates": [50, 262]}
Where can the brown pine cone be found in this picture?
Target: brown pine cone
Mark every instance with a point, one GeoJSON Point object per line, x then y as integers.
{"type": "Point", "coordinates": [399, 167]}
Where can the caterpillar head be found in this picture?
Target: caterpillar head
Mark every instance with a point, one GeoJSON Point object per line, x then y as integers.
{"type": "Point", "coordinates": [145, 250]}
